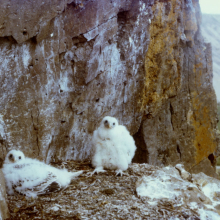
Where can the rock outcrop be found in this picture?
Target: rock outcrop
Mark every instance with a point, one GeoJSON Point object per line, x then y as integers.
{"type": "Point", "coordinates": [4, 213]}
{"type": "Point", "coordinates": [144, 192]}
{"type": "Point", "coordinates": [211, 32]}
{"type": "Point", "coordinates": [64, 65]}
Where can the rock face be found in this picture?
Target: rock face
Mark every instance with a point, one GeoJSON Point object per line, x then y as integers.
{"type": "Point", "coordinates": [64, 65]}
{"type": "Point", "coordinates": [4, 213]}
{"type": "Point", "coordinates": [211, 32]}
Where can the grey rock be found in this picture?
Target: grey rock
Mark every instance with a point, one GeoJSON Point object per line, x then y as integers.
{"type": "Point", "coordinates": [4, 213]}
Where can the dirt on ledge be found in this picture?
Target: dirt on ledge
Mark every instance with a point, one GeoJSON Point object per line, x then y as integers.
{"type": "Point", "coordinates": [102, 196]}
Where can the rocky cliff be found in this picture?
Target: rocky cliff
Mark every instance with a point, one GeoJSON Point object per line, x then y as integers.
{"type": "Point", "coordinates": [210, 31]}
{"type": "Point", "coordinates": [64, 65]}
{"type": "Point", "coordinates": [4, 212]}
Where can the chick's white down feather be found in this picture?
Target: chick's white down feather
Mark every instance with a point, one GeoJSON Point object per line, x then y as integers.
{"type": "Point", "coordinates": [32, 177]}
{"type": "Point", "coordinates": [114, 147]}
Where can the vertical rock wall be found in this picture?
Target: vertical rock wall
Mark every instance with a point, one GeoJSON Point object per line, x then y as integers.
{"type": "Point", "coordinates": [4, 212]}
{"type": "Point", "coordinates": [64, 65]}
{"type": "Point", "coordinates": [181, 104]}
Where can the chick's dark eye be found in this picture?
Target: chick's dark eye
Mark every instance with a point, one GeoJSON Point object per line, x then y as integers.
{"type": "Point", "coordinates": [113, 123]}
{"type": "Point", "coordinates": [106, 121]}
{"type": "Point", "coordinates": [10, 156]}
{"type": "Point", "coordinates": [19, 157]}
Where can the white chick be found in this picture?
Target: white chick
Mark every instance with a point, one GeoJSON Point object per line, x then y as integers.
{"type": "Point", "coordinates": [32, 177]}
{"type": "Point", "coordinates": [114, 147]}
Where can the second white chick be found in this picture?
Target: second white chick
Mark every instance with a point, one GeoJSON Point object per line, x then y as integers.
{"type": "Point", "coordinates": [32, 177]}
{"type": "Point", "coordinates": [114, 147]}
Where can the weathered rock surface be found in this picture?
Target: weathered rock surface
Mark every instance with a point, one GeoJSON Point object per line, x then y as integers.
{"type": "Point", "coordinates": [64, 65]}
{"type": "Point", "coordinates": [4, 213]}
{"type": "Point", "coordinates": [145, 192]}
{"type": "Point", "coordinates": [211, 32]}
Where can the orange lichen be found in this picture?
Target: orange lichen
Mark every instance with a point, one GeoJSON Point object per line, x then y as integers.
{"type": "Point", "coordinates": [162, 61]}
{"type": "Point", "coordinates": [205, 140]}
{"type": "Point", "coordinates": [163, 71]}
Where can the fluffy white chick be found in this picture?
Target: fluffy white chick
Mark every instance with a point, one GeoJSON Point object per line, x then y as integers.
{"type": "Point", "coordinates": [114, 147]}
{"type": "Point", "coordinates": [32, 177]}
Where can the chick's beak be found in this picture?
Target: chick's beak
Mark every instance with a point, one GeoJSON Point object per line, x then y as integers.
{"type": "Point", "coordinates": [12, 159]}
{"type": "Point", "coordinates": [107, 125]}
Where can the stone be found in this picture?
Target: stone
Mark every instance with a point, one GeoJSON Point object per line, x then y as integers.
{"type": "Point", "coordinates": [183, 173]}
{"type": "Point", "coordinates": [204, 165]}
{"type": "Point", "coordinates": [67, 64]}
{"type": "Point", "coordinates": [166, 184]}
{"type": "Point", "coordinates": [4, 213]}
{"type": "Point", "coordinates": [210, 31]}
{"type": "Point", "coordinates": [210, 187]}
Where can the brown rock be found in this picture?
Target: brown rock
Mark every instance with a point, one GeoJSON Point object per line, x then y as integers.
{"type": "Point", "coordinates": [204, 165]}
{"type": "Point", "coordinates": [179, 100]}
{"type": "Point", "coordinates": [4, 213]}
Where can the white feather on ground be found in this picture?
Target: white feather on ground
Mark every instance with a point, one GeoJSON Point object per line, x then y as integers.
{"type": "Point", "coordinates": [114, 147]}
{"type": "Point", "coordinates": [32, 177]}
